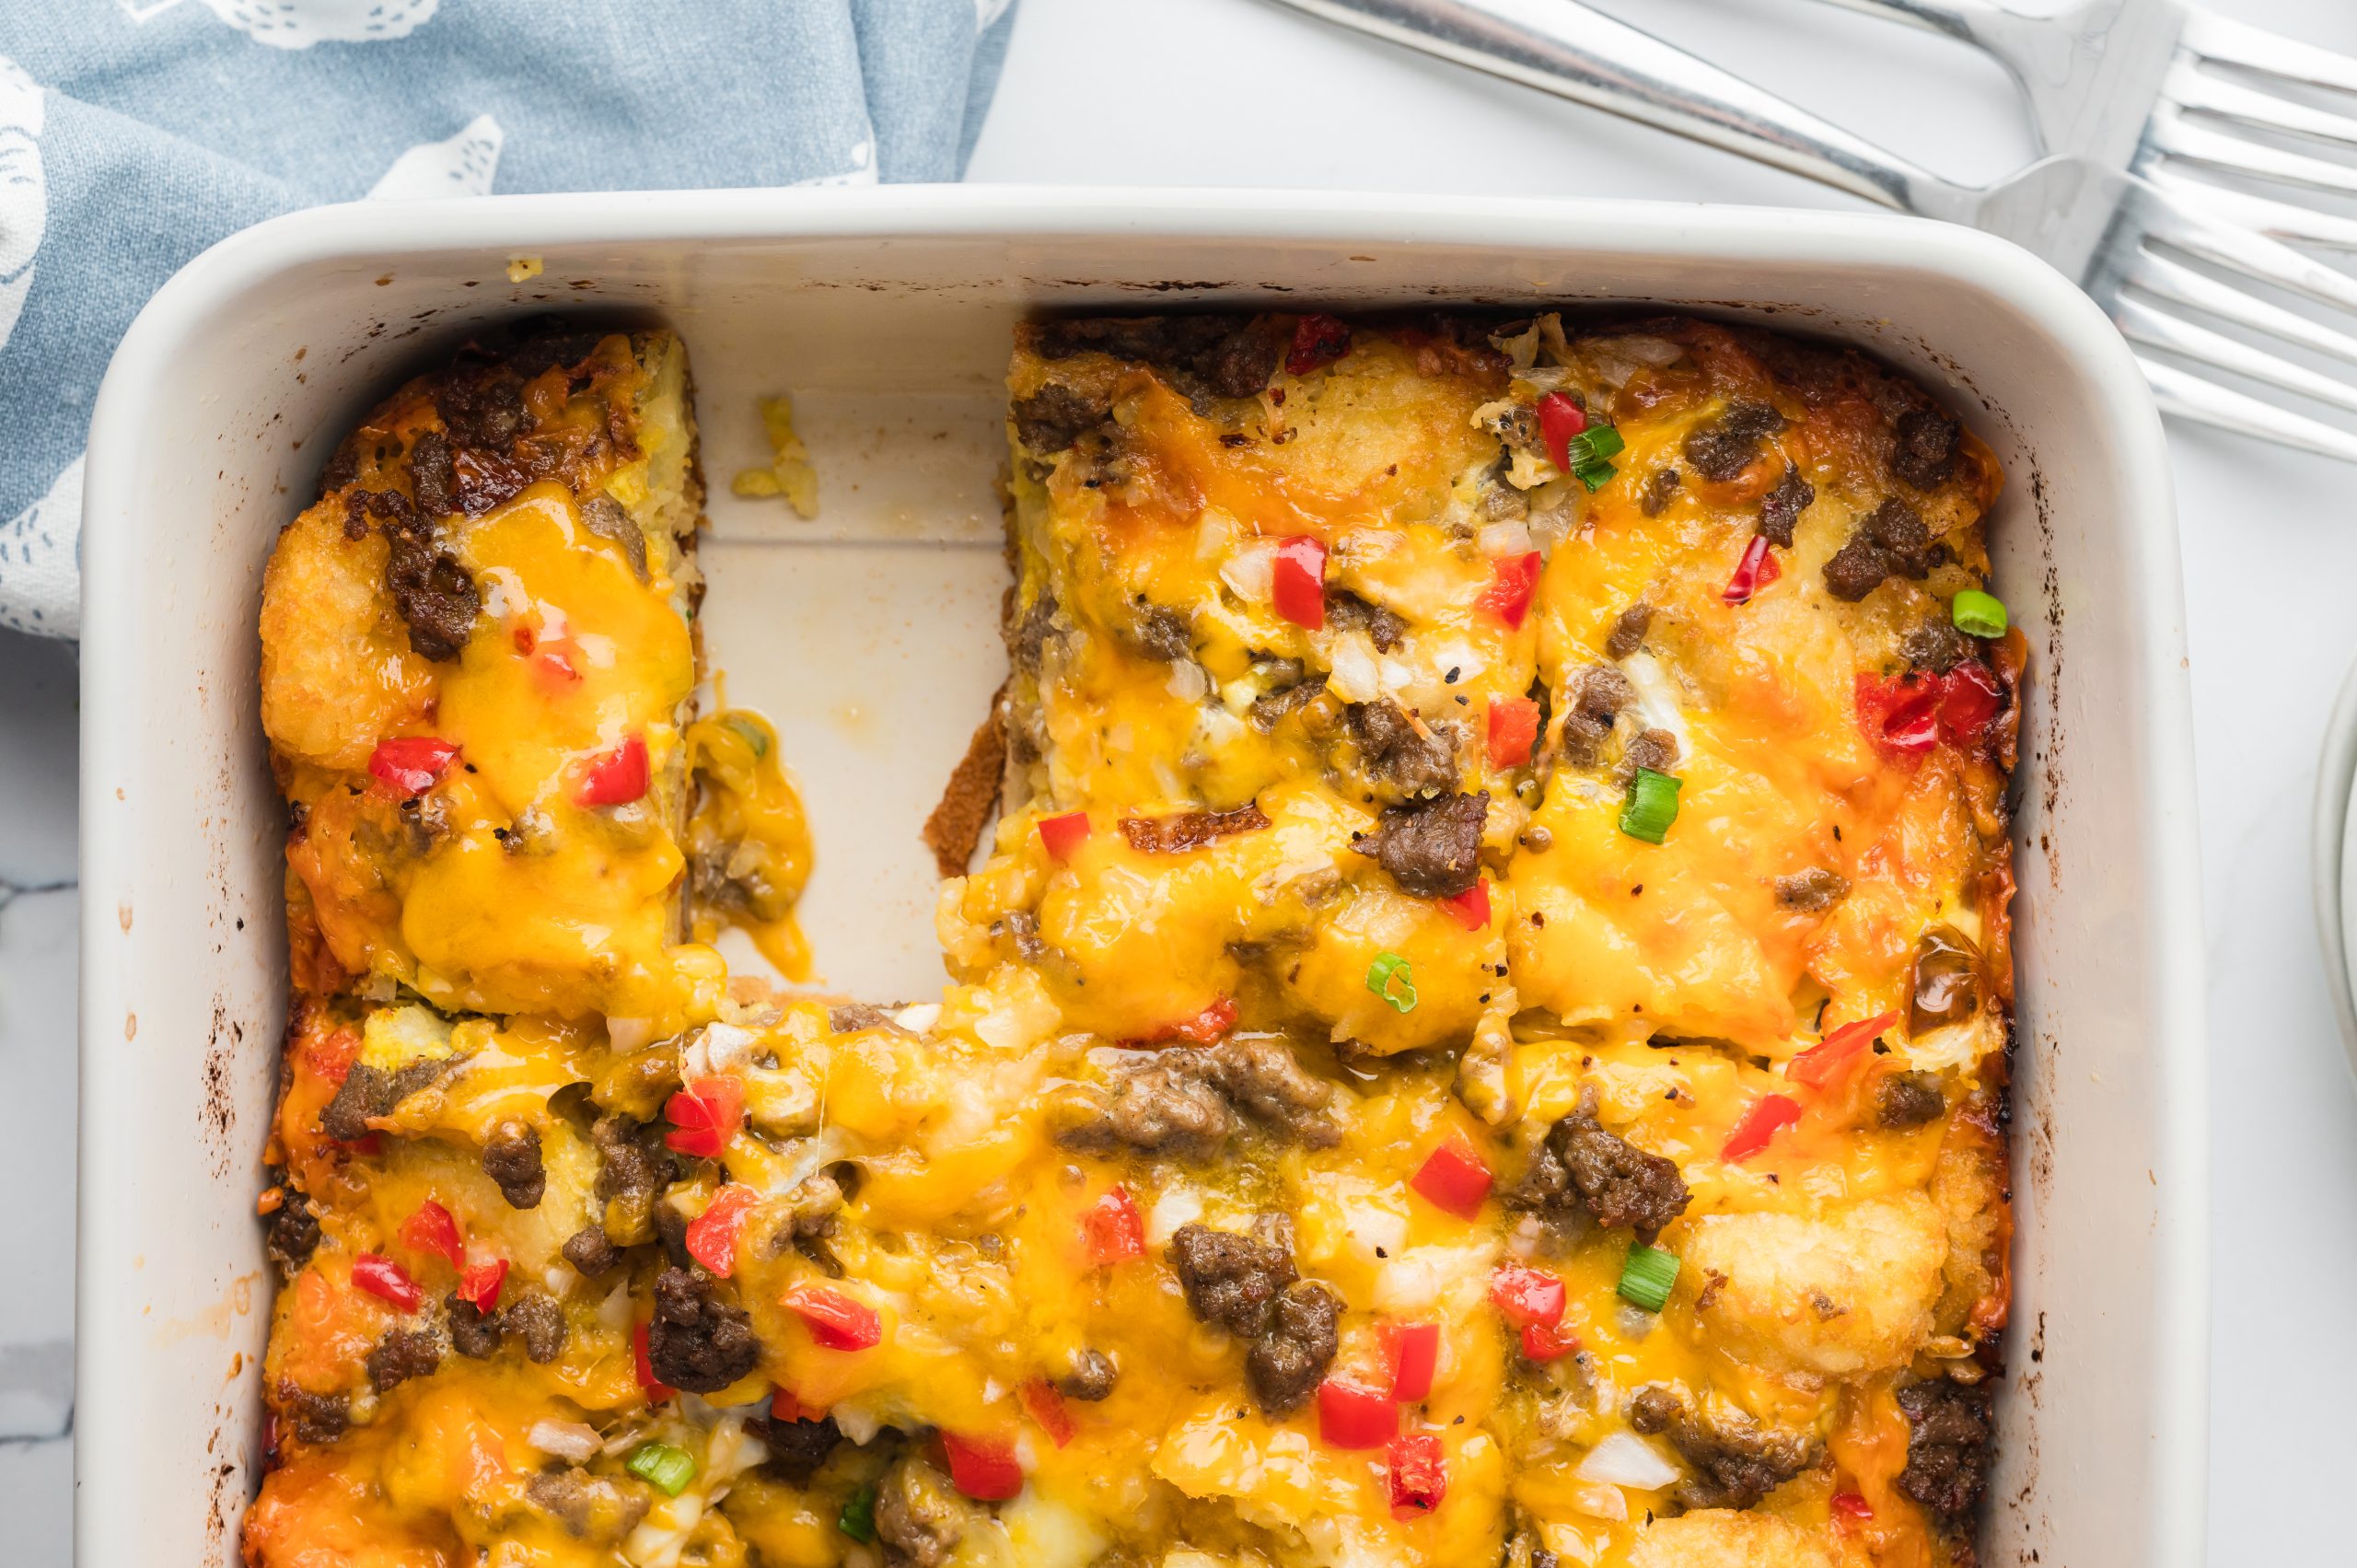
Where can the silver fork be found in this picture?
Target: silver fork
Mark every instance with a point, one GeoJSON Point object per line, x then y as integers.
{"type": "Point", "coordinates": [2094, 219]}
{"type": "Point", "coordinates": [2158, 87]}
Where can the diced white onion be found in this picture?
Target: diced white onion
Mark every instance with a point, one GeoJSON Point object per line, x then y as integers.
{"type": "Point", "coordinates": [574, 1440]}
{"type": "Point", "coordinates": [1456, 654]}
{"type": "Point", "coordinates": [1511, 538]}
{"type": "Point", "coordinates": [1353, 674]}
{"type": "Point", "coordinates": [858, 1424]}
{"type": "Point", "coordinates": [718, 1047]}
{"type": "Point", "coordinates": [1626, 1459]}
{"type": "Point", "coordinates": [1522, 349]}
{"type": "Point", "coordinates": [1956, 1045]}
{"type": "Point", "coordinates": [1214, 534]}
{"type": "Point", "coordinates": [1217, 729]}
{"type": "Point", "coordinates": [1188, 683]}
{"type": "Point", "coordinates": [1599, 1501]}
{"type": "Point", "coordinates": [1022, 1020]}
{"type": "Point", "coordinates": [1373, 1227]}
{"type": "Point", "coordinates": [1657, 699]}
{"type": "Point", "coordinates": [1415, 1279]}
{"type": "Point", "coordinates": [1645, 350]}
{"type": "Point", "coordinates": [1175, 1207]}
{"type": "Point", "coordinates": [920, 1018]}
{"type": "Point", "coordinates": [657, 1541]}
{"type": "Point", "coordinates": [627, 1035]}
{"type": "Point", "coordinates": [614, 1312]}
{"type": "Point", "coordinates": [1252, 570]}
{"type": "Point", "coordinates": [729, 1453]}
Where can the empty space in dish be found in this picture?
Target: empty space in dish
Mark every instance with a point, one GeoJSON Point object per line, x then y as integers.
{"type": "Point", "coordinates": [870, 637]}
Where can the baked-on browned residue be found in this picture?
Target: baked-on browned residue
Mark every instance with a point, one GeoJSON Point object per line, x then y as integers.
{"type": "Point", "coordinates": [969, 797]}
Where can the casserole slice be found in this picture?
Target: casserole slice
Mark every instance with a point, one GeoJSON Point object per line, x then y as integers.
{"type": "Point", "coordinates": [1272, 608]}
{"type": "Point", "coordinates": [478, 658]}
{"type": "Point", "coordinates": [946, 1278]}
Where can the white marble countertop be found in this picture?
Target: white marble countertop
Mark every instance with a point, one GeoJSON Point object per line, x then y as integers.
{"type": "Point", "coordinates": [1232, 92]}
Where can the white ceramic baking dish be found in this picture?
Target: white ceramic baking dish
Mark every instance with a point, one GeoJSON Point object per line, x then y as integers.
{"type": "Point", "coordinates": [870, 635]}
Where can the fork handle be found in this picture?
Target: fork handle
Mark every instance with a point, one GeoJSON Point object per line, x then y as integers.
{"type": "Point", "coordinates": [1989, 23]}
{"type": "Point", "coordinates": [1567, 48]}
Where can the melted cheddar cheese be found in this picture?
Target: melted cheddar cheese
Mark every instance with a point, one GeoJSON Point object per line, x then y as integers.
{"type": "Point", "coordinates": [1352, 1139]}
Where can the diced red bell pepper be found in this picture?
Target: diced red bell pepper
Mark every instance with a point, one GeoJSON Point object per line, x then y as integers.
{"type": "Point", "coordinates": [616, 777]}
{"type": "Point", "coordinates": [557, 661]}
{"type": "Point", "coordinates": [1415, 1357]}
{"type": "Point", "coordinates": [1062, 835]}
{"type": "Point", "coordinates": [1560, 418]}
{"type": "Point", "coordinates": [1114, 1229]}
{"type": "Point", "coordinates": [1352, 1416]}
{"type": "Point", "coordinates": [1757, 569]}
{"type": "Point", "coordinates": [656, 1390]}
{"type": "Point", "coordinates": [712, 1234]}
{"type": "Point", "coordinates": [835, 1319]}
{"type": "Point", "coordinates": [1848, 1505]}
{"type": "Point", "coordinates": [1419, 1474]}
{"type": "Point", "coordinates": [706, 1114]}
{"type": "Point", "coordinates": [784, 1406]}
{"type": "Point", "coordinates": [1915, 713]}
{"type": "Point", "coordinates": [1454, 1178]}
{"type": "Point", "coordinates": [1514, 730]}
{"type": "Point", "coordinates": [1769, 1115]}
{"type": "Point", "coordinates": [1542, 1343]}
{"type": "Point", "coordinates": [1830, 1058]}
{"type": "Point", "coordinates": [1970, 699]}
{"type": "Point", "coordinates": [1525, 1295]}
{"type": "Point", "coordinates": [983, 1468]}
{"type": "Point", "coordinates": [1046, 1404]}
{"type": "Point", "coordinates": [409, 765]}
{"type": "Point", "coordinates": [1469, 909]}
{"type": "Point", "coordinates": [1901, 716]}
{"type": "Point", "coordinates": [559, 665]}
{"type": "Point", "coordinates": [1316, 340]}
{"type": "Point", "coordinates": [479, 1285]}
{"type": "Point", "coordinates": [1515, 578]}
{"type": "Point", "coordinates": [1298, 585]}
{"type": "Point", "coordinates": [431, 1230]}
{"type": "Point", "coordinates": [387, 1281]}
{"type": "Point", "coordinates": [1204, 1029]}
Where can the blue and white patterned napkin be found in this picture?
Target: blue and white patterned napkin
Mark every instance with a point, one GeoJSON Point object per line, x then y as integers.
{"type": "Point", "coordinates": [135, 132]}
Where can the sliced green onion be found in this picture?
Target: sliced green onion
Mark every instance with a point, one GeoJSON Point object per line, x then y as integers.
{"type": "Point", "coordinates": [858, 1519]}
{"type": "Point", "coordinates": [1978, 614]}
{"type": "Point", "coordinates": [1389, 977]}
{"type": "Point", "coordinates": [1647, 1276]}
{"type": "Point", "coordinates": [660, 1465]}
{"type": "Point", "coordinates": [1652, 805]}
{"type": "Point", "coordinates": [1587, 452]}
{"type": "Point", "coordinates": [751, 732]}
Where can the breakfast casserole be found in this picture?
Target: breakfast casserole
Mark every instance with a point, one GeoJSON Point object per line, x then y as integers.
{"type": "Point", "coordinates": [1479, 1035]}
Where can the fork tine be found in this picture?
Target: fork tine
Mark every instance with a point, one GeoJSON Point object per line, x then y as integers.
{"type": "Point", "coordinates": [2162, 216]}
{"type": "Point", "coordinates": [2278, 220]}
{"type": "Point", "coordinates": [2254, 48]}
{"type": "Point", "coordinates": [2165, 279]}
{"type": "Point", "coordinates": [2169, 133]}
{"type": "Point", "coordinates": [2190, 396]}
{"type": "Point", "coordinates": [2154, 327]}
{"type": "Point", "coordinates": [2194, 89]}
